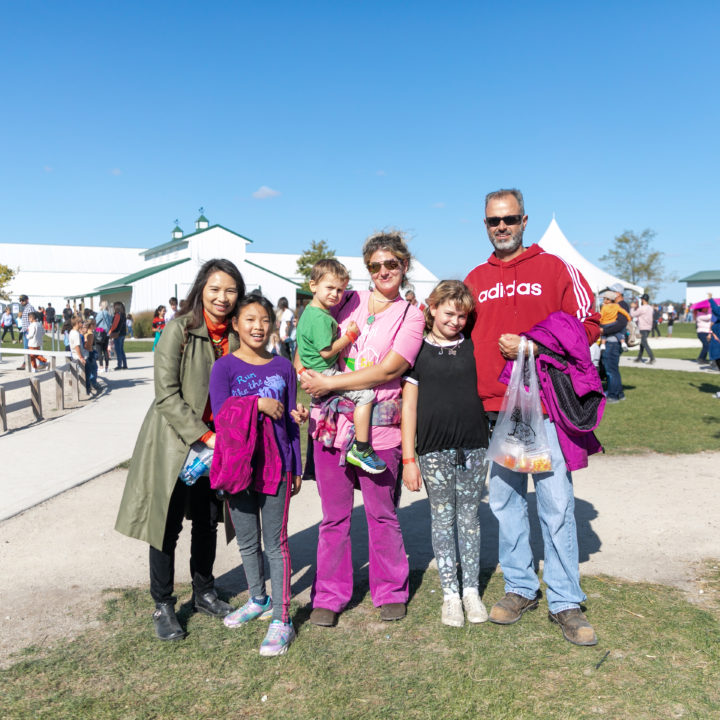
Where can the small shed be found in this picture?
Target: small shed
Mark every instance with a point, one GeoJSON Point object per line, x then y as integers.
{"type": "Point", "coordinates": [698, 285]}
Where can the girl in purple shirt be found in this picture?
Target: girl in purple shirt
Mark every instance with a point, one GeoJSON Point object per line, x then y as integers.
{"type": "Point", "coordinates": [253, 371]}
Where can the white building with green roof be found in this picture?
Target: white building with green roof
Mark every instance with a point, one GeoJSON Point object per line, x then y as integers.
{"type": "Point", "coordinates": [142, 279]}
{"type": "Point", "coordinates": [699, 284]}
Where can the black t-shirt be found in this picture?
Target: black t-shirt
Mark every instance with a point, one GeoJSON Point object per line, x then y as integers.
{"type": "Point", "coordinates": [450, 413]}
{"type": "Point", "coordinates": [50, 314]}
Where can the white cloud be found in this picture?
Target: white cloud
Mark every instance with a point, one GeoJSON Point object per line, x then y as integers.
{"type": "Point", "coordinates": [116, 171]}
{"type": "Point", "coordinates": [264, 192]}
{"type": "Point", "coordinates": [438, 205]}
{"type": "Point", "coordinates": [381, 173]}
{"type": "Point", "coordinates": [48, 169]}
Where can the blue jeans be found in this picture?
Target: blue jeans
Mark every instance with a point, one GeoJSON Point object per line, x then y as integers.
{"type": "Point", "coordinates": [611, 363]}
{"type": "Point", "coordinates": [119, 345]}
{"type": "Point", "coordinates": [704, 338]}
{"type": "Point", "coordinates": [556, 512]}
{"type": "Point", "coordinates": [91, 369]}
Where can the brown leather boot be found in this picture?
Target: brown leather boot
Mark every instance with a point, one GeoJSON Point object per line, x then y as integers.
{"type": "Point", "coordinates": [575, 627]}
{"type": "Point", "coordinates": [510, 609]}
{"type": "Point", "coordinates": [323, 617]}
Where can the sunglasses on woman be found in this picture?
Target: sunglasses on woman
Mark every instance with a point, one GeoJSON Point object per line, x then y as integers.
{"type": "Point", "coordinates": [374, 267]}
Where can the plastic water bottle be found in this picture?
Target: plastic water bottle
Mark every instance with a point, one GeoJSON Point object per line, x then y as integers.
{"type": "Point", "coordinates": [198, 463]}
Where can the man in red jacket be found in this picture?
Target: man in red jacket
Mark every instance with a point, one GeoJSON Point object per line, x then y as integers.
{"type": "Point", "coordinates": [516, 288]}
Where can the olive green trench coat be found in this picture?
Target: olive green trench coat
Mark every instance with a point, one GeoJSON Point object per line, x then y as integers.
{"type": "Point", "coordinates": [172, 424]}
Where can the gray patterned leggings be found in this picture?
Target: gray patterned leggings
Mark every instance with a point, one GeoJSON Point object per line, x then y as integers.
{"type": "Point", "coordinates": [454, 481]}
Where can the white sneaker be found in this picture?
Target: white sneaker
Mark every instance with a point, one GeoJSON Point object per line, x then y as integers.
{"type": "Point", "coordinates": [475, 609]}
{"type": "Point", "coordinates": [452, 611]}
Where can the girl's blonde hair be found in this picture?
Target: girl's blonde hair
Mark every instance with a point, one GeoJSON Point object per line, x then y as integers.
{"type": "Point", "coordinates": [454, 291]}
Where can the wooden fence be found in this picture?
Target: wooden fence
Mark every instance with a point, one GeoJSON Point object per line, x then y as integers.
{"type": "Point", "coordinates": [54, 374]}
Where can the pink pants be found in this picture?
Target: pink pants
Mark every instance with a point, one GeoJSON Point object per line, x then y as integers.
{"type": "Point", "coordinates": [389, 570]}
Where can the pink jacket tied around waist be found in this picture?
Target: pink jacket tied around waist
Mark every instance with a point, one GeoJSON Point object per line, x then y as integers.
{"type": "Point", "coordinates": [570, 386]}
{"type": "Point", "coordinates": [245, 449]}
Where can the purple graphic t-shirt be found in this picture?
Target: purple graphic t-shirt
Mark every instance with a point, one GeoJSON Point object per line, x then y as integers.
{"type": "Point", "coordinates": [232, 376]}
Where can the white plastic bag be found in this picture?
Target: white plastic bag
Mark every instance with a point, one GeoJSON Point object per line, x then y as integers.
{"type": "Point", "coordinates": [519, 441]}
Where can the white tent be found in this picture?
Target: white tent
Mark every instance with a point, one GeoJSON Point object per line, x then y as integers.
{"type": "Point", "coordinates": [555, 242]}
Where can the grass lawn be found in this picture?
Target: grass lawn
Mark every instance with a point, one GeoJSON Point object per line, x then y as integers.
{"type": "Point", "coordinates": [675, 353]}
{"type": "Point", "coordinates": [666, 411]}
{"type": "Point", "coordinates": [658, 657]}
{"type": "Point", "coordinates": [143, 345]}
{"type": "Point", "coordinates": [680, 330]}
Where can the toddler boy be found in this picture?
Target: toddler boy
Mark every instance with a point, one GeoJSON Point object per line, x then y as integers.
{"type": "Point", "coordinates": [319, 347]}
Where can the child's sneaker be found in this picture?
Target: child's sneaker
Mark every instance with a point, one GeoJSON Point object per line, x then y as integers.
{"type": "Point", "coordinates": [278, 639]}
{"type": "Point", "coordinates": [474, 608]}
{"type": "Point", "coordinates": [367, 460]}
{"type": "Point", "coordinates": [249, 611]}
{"type": "Point", "coordinates": [452, 611]}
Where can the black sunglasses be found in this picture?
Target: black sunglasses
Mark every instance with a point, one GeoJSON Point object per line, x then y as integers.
{"type": "Point", "coordinates": [374, 267]}
{"type": "Point", "coordinates": [508, 220]}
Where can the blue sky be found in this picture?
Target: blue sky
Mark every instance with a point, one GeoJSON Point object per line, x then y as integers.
{"type": "Point", "coordinates": [120, 117]}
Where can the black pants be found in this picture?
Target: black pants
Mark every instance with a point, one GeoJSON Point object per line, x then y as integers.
{"type": "Point", "coordinates": [203, 508]}
{"type": "Point", "coordinates": [645, 346]}
{"type": "Point", "coordinates": [5, 332]}
{"type": "Point", "coordinates": [102, 341]}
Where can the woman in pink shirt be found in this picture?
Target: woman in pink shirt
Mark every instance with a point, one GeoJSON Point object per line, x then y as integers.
{"type": "Point", "coordinates": [391, 332]}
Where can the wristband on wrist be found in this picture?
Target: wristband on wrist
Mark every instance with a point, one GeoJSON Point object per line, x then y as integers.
{"type": "Point", "coordinates": [351, 335]}
{"type": "Point", "coordinates": [408, 461]}
{"type": "Point", "coordinates": [301, 370]}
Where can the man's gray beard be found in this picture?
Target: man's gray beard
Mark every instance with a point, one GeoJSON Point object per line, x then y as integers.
{"type": "Point", "coordinates": [509, 245]}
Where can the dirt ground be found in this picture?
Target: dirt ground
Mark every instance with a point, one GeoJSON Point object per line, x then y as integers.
{"type": "Point", "coordinates": [645, 518]}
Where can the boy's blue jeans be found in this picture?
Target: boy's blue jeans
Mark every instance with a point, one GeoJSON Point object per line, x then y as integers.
{"type": "Point", "coordinates": [556, 512]}
{"type": "Point", "coordinates": [91, 369]}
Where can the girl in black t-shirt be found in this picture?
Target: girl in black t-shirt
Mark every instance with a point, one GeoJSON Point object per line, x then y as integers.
{"type": "Point", "coordinates": [444, 421]}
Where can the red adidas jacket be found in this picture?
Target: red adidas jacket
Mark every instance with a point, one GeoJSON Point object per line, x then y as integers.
{"type": "Point", "coordinates": [512, 297]}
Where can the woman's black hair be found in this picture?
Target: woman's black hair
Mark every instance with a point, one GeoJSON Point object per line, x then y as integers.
{"type": "Point", "coordinates": [193, 303]}
{"type": "Point", "coordinates": [253, 298]}
{"type": "Point", "coordinates": [157, 311]}
{"type": "Point", "coordinates": [118, 307]}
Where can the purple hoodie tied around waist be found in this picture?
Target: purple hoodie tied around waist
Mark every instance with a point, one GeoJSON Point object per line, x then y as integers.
{"type": "Point", "coordinates": [570, 386]}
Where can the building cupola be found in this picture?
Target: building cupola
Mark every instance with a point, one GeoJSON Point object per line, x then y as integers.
{"type": "Point", "coordinates": [202, 222]}
{"type": "Point", "coordinates": [177, 232]}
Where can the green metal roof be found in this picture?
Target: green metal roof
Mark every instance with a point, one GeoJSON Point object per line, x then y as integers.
{"type": "Point", "coordinates": [124, 283]}
{"type": "Point", "coordinates": [173, 243]}
{"type": "Point", "coordinates": [177, 228]}
{"type": "Point", "coordinates": [703, 276]}
{"type": "Point", "coordinates": [202, 218]}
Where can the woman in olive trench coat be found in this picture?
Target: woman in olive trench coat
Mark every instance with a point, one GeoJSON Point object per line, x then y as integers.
{"type": "Point", "coordinates": [155, 500]}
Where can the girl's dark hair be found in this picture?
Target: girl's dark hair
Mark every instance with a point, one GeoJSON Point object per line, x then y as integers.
{"type": "Point", "coordinates": [118, 307]}
{"type": "Point", "coordinates": [253, 298]}
{"type": "Point", "coordinates": [157, 310]}
{"type": "Point", "coordinates": [193, 304]}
